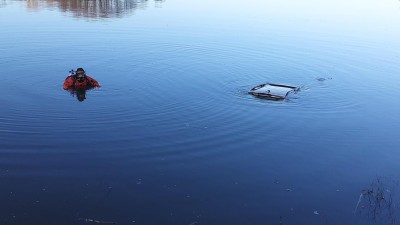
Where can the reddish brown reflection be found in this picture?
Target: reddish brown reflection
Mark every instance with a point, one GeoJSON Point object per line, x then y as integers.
{"type": "Point", "coordinates": [91, 8]}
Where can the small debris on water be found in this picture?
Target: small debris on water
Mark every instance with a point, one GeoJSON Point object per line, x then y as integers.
{"type": "Point", "coordinates": [289, 190]}
{"type": "Point", "coordinates": [323, 78]}
{"type": "Point", "coordinates": [379, 196]}
{"type": "Point", "coordinates": [99, 221]}
{"type": "Point", "coordinates": [316, 212]}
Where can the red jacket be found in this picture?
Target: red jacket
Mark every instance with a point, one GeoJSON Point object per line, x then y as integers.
{"type": "Point", "coordinates": [73, 82]}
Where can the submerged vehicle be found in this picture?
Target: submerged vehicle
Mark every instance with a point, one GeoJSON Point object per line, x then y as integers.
{"type": "Point", "coordinates": [273, 91]}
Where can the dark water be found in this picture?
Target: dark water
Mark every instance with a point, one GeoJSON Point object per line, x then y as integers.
{"type": "Point", "coordinates": [171, 137]}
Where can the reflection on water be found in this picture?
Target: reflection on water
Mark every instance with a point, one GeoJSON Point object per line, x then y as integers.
{"type": "Point", "coordinates": [80, 93]}
{"type": "Point", "coordinates": [379, 202]}
{"type": "Point", "coordinates": [174, 138]}
{"type": "Point", "coordinates": [91, 8]}
{"type": "Point", "coordinates": [3, 3]}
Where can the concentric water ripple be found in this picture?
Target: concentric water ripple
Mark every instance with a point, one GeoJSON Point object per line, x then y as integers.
{"type": "Point", "coordinates": [177, 99]}
{"type": "Point", "coordinates": [173, 132]}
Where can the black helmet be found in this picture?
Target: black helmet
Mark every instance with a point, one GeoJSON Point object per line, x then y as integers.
{"type": "Point", "coordinates": [80, 73]}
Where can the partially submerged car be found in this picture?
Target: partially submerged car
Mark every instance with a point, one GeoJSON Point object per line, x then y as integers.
{"type": "Point", "coordinates": [272, 91]}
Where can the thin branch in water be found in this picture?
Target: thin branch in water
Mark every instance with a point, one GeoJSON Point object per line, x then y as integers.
{"type": "Point", "coordinates": [358, 203]}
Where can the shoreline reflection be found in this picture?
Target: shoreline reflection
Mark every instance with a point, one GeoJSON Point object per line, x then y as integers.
{"type": "Point", "coordinates": [92, 8]}
{"type": "Point", "coordinates": [3, 3]}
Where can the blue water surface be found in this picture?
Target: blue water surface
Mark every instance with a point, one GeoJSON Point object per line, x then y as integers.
{"type": "Point", "coordinates": [172, 137]}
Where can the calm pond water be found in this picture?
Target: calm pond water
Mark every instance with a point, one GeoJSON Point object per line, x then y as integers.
{"type": "Point", "coordinates": [172, 137]}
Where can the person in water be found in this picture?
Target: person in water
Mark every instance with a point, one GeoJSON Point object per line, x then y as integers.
{"type": "Point", "coordinates": [80, 80]}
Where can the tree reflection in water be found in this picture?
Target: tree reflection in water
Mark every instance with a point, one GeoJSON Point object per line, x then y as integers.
{"type": "Point", "coordinates": [380, 203]}
{"type": "Point", "coordinates": [92, 8]}
{"type": "Point", "coordinates": [3, 3]}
